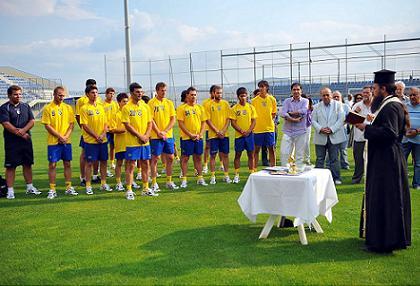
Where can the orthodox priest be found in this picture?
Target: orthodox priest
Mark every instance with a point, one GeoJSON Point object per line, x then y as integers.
{"type": "Point", "coordinates": [387, 215]}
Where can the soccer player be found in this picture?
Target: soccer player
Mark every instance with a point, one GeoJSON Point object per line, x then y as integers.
{"type": "Point", "coordinates": [243, 120]}
{"type": "Point", "coordinates": [191, 119]}
{"type": "Point", "coordinates": [111, 107]}
{"type": "Point", "coordinates": [218, 112]}
{"type": "Point", "coordinates": [94, 128]}
{"type": "Point", "coordinates": [58, 119]}
{"type": "Point", "coordinates": [162, 139]}
{"type": "Point", "coordinates": [137, 119]}
{"type": "Point", "coordinates": [266, 107]}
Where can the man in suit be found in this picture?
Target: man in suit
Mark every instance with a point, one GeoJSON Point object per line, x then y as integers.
{"type": "Point", "coordinates": [328, 120]}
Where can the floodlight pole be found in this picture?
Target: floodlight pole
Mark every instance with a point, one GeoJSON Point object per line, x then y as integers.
{"type": "Point", "coordinates": [127, 43]}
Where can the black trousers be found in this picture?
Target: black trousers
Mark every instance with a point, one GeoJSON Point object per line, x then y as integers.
{"type": "Point", "coordinates": [359, 162]}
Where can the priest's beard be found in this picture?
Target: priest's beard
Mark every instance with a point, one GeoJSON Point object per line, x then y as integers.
{"type": "Point", "coordinates": [376, 102]}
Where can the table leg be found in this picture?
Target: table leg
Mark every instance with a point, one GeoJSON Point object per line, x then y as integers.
{"type": "Point", "coordinates": [302, 234]}
{"type": "Point", "coordinates": [281, 221]}
{"type": "Point", "coordinates": [317, 226]}
{"type": "Point", "coordinates": [268, 226]}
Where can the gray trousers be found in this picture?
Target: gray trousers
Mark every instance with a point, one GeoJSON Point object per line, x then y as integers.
{"type": "Point", "coordinates": [359, 161]}
{"type": "Point", "coordinates": [333, 150]}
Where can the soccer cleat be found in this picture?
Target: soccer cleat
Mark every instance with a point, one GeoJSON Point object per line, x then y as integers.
{"type": "Point", "coordinates": [119, 187]}
{"type": "Point", "coordinates": [130, 196]}
{"type": "Point", "coordinates": [213, 180]}
{"type": "Point", "coordinates": [83, 183]}
{"type": "Point", "coordinates": [106, 187]}
{"type": "Point", "coordinates": [156, 188]}
{"type": "Point", "coordinates": [149, 192]}
{"type": "Point", "coordinates": [89, 191]}
{"type": "Point", "coordinates": [172, 186]}
{"type": "Point", "coordinates": [195, 172]}
{"type": "Point", "coordinates": [71, 192]}
{"type": "Point", "coordinates": [96, 180]}
{"type": "Point", "coordinates": [33, 191]}
{"type": "Point", "coordinates": [201, 182]}
{"type": "Point", "coordinates": [236, 179]}
{"type": "Point", "coordinates": [51, 195]}
{"type": "Point", "coordinates": [227, 179]}
{"type": "Point", "coordinates": [109, 174]}
{"type": "Point", "coordinates": [183, 184]}
{"type": "Point", "coordinates": [138, 177]}
{"type": "Point", "coordinates": [205, 170]}
{"type": "Point", "coordinates": [136, 186]}
{"type": "Point", "coordinates": [10, 196]}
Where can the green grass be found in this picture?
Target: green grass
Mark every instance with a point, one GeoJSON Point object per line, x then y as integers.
{"type": "Point", "coordinates": [198, 236]}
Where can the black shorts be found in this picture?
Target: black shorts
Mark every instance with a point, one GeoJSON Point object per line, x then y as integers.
{"type": "Point", "coordinates": [18, 153]}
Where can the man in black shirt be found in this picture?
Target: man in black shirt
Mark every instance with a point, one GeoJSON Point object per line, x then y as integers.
{"type": "Point", "coordinates": [17, 119]}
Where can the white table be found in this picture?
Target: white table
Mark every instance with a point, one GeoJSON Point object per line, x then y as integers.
{"type": "Point", "coordinates": [304, 197]}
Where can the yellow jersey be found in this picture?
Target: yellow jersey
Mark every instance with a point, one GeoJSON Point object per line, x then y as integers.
{"type": "Point", "coordinates": [84, 100]}
{"type": "Point", "coordinates": [111, 109]}
{"type": "Point", "coordinates": [217, 113]}
{"type": "Point", "coordinates": [264, 107]}
{"type": "Point", "coordinates": [192, 116]}
{"type": "Point", "coordinates": [119, 138]}
{"type": "Point", "coordinates": [95, 118]}
{"type": "Point", "coordinates": [162, 111]}
{"type": "Point", "coordinates": [138, 116]}
{"type": "Point", "coordinates": [243, 115]}
{"type": "Point", "coordinates": [58, 117]}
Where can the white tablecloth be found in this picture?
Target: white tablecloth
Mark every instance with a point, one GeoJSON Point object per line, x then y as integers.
{"type": "Point", "coordinates": [304, 197]}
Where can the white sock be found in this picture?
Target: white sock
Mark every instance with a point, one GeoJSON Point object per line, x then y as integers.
{"type": "Point", "coordinates": [29, 186]}
{"type": "Point", "coordinates": [10, 190]}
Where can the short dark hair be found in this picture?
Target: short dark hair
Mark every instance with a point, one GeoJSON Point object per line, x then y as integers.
{"type": "Point", "coordinates": [183, 95]}
{"type": "Point", "coordinates": [241, 90]}
{"type": "Point", "coordinates": [214, 87]}
{"type": "Point", "coordinates": [109, 89]}
{"type": "Point", "coordinates": [296, 84]}
{"type": "Point", "coordinates": [90, 81]}
{"type": "Point", "coordinates": [13, 88]}
{"type": "Point", "coordinates": [160, 85]}
{"type": "Point", "coordinates": [264, 83]}
{"type": "Point", "coordinates": [191, 88]}
{"type": "Point", "coordinates": [57, 89]}
{"type": "Point", "coordinates": [89, 88]}
{"type": "Point", "coordinates": [255, 92]}
{"type": "Point", "coordinates": [145, 98]}
{"type": "Point", "coordinates": [121, 96]}
{"type": "Point", "coordinates": [368, 86]}
{"type": "Point", "coordinates": [134, 86]}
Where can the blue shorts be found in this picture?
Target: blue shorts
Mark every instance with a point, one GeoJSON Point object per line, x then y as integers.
{"type": "Point", "coordinates": [138, 153]}
{"type": "Point", "coordinates": [120, 155]}
{"type": "Point", "coordinates": [59, 152]}
{"type": "Point", "coordinates": [110, 138]}
{"type": "Point", "coordinates": [96, 152]}
{"type": "Point", "coordinates": [266, 139]}
{"type": "Point", "coordinates": [245, 143]}
{"type": "Point", "coordinates": [219, 145]}
{"type": "Point", "coordinates": [190, 147]}
{"type": "Point", "coordinates": [81, 142]}
{"type": "Point", "coordinates": [160, 146]}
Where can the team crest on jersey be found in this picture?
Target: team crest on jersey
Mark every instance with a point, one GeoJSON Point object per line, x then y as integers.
{"type": "Point", "coordinates": [53, 113]}
{"type": "Point", "coordinates": [219, 108]}
{"type": "Point", "coordinates": [97, 111]}
{"type": "Point", "coordinates": [187, 113]}
{"type": "Point", "coordinates": [264, 103]}
{"type": "Point", "coordinates": [60, 112]}
{"type": "Point", "coordinates": [244, 112]}
{"type": "Point", "coordinates": [139, 113]}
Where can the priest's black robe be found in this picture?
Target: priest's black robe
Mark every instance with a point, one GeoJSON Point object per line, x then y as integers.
{"type": "Point", "coordinates": [388, 209]}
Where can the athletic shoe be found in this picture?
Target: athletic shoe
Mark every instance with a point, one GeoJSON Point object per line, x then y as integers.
{"type": "Point", "coordinates": [109, 174]}
{"type": "Point", "coordinates": [149, 192]}
{"type": "Point", "coordinates": [172, 186]}
{"type": "Point", "coordinates": [205, 170]}
{"type": "Point", "coordinates": [227, 179]}
{"type": "Point", "coordinates": [136, 186]}
{"type": "Point", "coordinates": [83, 182]}
{"type": "Point", "coordinates": [10, 196]}
{"type": "Point", "coordinates": [96, 180]}
{"type": "Point", "coordinates": [181, 175]}
{"type": "Point", "coordinates": [71, 192]}
{"type": "Point", "coordinates": [119, 187]}
{"type": "Point", "coordinates": [113, 166]}
{"type": "Point", "coordinates": [33, 191]}
{"type": "Point", "coordinates": [201, 182]}
{"type": "Point", "coordinates": [155, 188]}
{"type": "Point", "coordinates": [51, 195]}
{"type": "Point", "coordinates": [183, 184]}
{"type": "Point", "coordinates": [89, 191]}
{"type": "Point", "coordinates": [105, 187]}
{"type": "Point", "coordinates": [236, 179]}
{"type": "Point", "coordinates": [213, 180]}
{"type": "Point", "coordinates": [130, 196]}
{"type": "Point", "coordinates": [138, 177]}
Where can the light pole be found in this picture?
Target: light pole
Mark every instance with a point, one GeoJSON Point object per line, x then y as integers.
{"type": "Point", "coordinates": [127, 43]}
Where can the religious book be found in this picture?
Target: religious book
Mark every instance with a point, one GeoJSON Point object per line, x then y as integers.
{"type": "Point", "coordinates": [354, 118]}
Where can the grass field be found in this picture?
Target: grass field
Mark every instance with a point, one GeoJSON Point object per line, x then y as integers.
{"type": "Point", "coordinates": [197, 236]}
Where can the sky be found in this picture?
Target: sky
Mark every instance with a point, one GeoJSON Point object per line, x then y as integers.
{"type": "Point", "coordinates": [67, 39]}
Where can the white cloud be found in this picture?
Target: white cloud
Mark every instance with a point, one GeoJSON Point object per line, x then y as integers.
{"type": "Point", "coordinates": [191, 33]}
{"type": "Point", "coordinates": [27, 8]}
{"type": "Point", "coordinates": [142, 21]}
{"type": "Point", "coordinates": [45, 46]}
{"type": "Point", "coordinates": [72, 10]}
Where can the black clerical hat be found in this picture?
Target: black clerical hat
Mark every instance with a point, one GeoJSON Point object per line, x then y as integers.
{"type": "Point", "coordinates": [384, 77]}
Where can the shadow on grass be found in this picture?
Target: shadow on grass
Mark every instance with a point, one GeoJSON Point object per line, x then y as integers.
{"type": "Point", "coordinates": [224, 246]}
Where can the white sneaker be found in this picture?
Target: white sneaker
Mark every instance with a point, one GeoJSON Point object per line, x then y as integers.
{"type": "Point", "coordinates": [89, 191]}
{"type": "Point", "coordinates": [71, 192]}
{"type": "Point", "coordinates": [138, 177]}
{"type": "Point", "coordinates": [205, 170]}
{"type": "Point", "coordinates": [183, 184]}
{"type": "Point", "coordinates": [10, 196]}
{"type": "Point", "coordinates": [213, 180]}
{"type": "Point", "coordinates": [227, 179]}
{"type": "Point", "coordinates": [33, 191]}
{"type": "Point", "coordinates": [109, 174]}
{"type": "Point", "coordinates": [106, 187]}
{"type": "Point", "coordinates": [236, 179]}
{"type": "Point", "coordinates": [202, 182]}
{"type": "Point", "coordinates": [130, 196]}
{"type": "Point", "coordinates": [155, 188]}
{"type": "Point", "coordinates": [195, 172]}
{"type": "Point", "coordinates": [136, 186]}
{"type": "Point", "coordinates": [172, 186]}
{"type": "Point", "coordinates": [51, 195]}
{"type": "Point", "coordinates": [149, 192]}
{"type": "Point", "coordinates": [119, 187]}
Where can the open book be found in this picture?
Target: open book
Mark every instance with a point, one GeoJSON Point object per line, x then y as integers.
{"type": "Point", "coordinates": [354, 118]}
